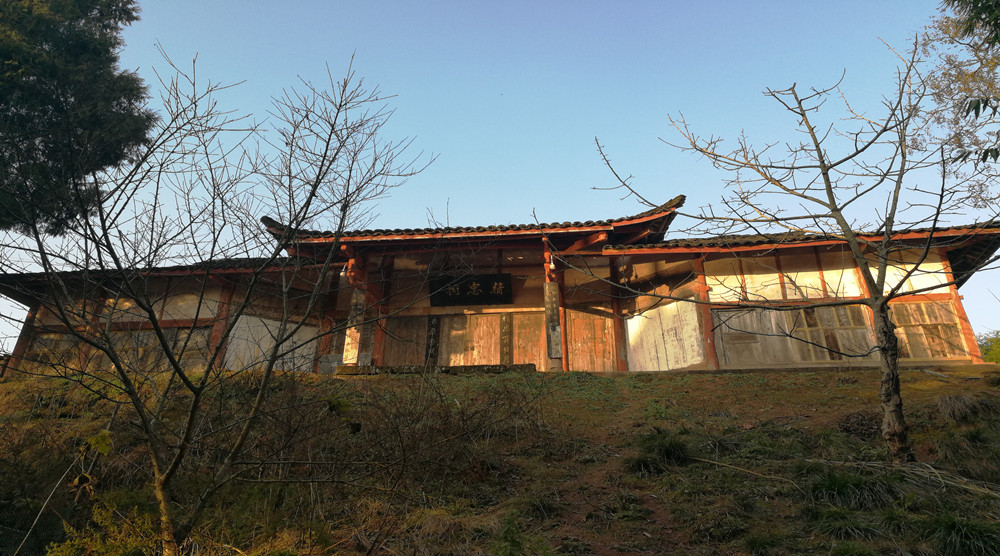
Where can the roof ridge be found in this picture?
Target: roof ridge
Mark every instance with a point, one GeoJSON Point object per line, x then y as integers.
{"type": "Point", "coordinates": [674, 203]}
{"type": "Point", "coordinates": [785, 235]}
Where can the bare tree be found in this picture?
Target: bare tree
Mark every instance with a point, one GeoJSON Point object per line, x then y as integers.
{"type": "Point", "coordinates": [858, 181]}
{"type": "Point", "coordinates": [169, 294]}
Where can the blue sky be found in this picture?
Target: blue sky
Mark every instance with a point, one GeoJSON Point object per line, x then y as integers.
{"type": "Point", "coordinates": [510, 95]}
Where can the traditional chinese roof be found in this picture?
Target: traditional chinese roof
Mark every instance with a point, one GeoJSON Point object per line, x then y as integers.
{"type": "Point", "coordinates": [645, 226]}
{"type": "Point", "coordinates": [969, 246]}
{"type": "Point", "coordinates": [31, 285]}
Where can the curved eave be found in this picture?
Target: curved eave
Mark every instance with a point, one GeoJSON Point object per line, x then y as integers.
{"type": "Point", "coordinates": [970, 248]}
{"type": "Point", "coordinates": [654, 223]}
{"type": "Point", "coordinates": [474, 236]}
{"type": "Point", "coordinates": [949, 238]}
{"type": "Point", "coordinates": [30, 287]}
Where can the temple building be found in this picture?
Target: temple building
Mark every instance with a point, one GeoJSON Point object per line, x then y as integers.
{"type": "Point", "coordinates": [610, 295]}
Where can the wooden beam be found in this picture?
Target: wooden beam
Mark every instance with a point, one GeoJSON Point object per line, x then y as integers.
{"type": "Point", "coordinates": [378, 341]}
{"type": "Point", "coordinates": [377, 295]}
{"type": "Point", "coordinates": [506, 339]}
{"type": "Point", "coordinates": [553, 334]}
{"type": "Point", "coordinates": [926, 297]}
{"type": "Point", "coordinates": [355, 340]}
{"type": "Point", "coordinates": [355, 324]}
{"type": "Point", "coordinates": [325, 344]}
{"type": "Point", "coordinates": [705, 249]}
{"type": "Point", "coordinates": [705, 310]}
{"type": "Point", "coordinates": [583, 243]}
{"type": "Point", "coordinates": [555, 313]}
{"type": "Point", "coordinates": [819, 271]}
{"type": "Point", "coordinates": [635, 237]}
{"type": "Point", "coordinates": [968, 335]}
{"type": "Point", "coordinates": [433, 341]}
{"type": "Point", "coordinates": [355, 270]}
{"type": "Point", "coordinates": [781, 276]}
{"type": "Point", "coordinates": [618, 321]}
{"type": "Point", "coordinates": [328, 322]}
{"type": "Point", "coordinates": [135, 325]}
{"type": "Point", "coordinates": [564, 337]}
{"type": "Point", "coordinates": [643, 219]}
{"type": "Point", "coordinates": [500, 234]}
{"type": "Point", "coordinates": [214, 272]}
{"type": "Point", "coordinates": [482, 310]}
{"type": "Point", "coordinates": [959, 233]}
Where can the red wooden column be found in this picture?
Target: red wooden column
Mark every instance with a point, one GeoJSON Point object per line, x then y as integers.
{"type": "Point", "coordinates": [707, 324]}
{"type": "Point", "coordinates": [325, 343]}
{"type": "Point", "coordinates": [218, 342]}
{"type": "Point", "coordinates": [822, 277]}
{"type": "Point", "coordinates": [377, 296]}
{"type": "Point", "coordinates": [363, 340]}
{"type": "Point", "coordinates": [564, 336]}
{"type": "Point", "coordinates": [963, 319]}
{"type": "Point", "coordinates": [23, 339]}
{"type": "Point", "coordinates": [556, 339]}
{"type": "Point", "coordinates": [620, 337]}
{"type": "Point", "coordinates": [357, 276]}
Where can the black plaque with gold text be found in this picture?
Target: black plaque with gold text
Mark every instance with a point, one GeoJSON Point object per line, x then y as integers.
{"type": "Point", "coordinates": [472, 289]}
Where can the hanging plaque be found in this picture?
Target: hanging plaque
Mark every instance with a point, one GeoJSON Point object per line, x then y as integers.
{"type": "Point", "coordinates": [471, 289]}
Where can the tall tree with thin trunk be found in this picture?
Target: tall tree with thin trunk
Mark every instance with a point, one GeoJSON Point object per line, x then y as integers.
{"type": "Point", "coordinates": [191, 201]}
{"type": "Point", "coordinates": [67, 111]}
{"type": "Point", "coordinates": [837, 177]}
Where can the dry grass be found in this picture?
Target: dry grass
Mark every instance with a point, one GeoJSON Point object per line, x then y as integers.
{"type": "Point", "coordinates": [534, 464]}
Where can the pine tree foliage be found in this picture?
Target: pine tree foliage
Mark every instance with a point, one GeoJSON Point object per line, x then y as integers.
{"type": "Point", "coordinates": [67, 111]}
{"type": "Point", "coordinates": [978, 17]}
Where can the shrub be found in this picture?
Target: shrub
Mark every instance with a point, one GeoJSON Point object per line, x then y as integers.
{"type": "Point", "coordinates": [658, 450]}
{"type": "Point", "coordinates": [842, 524]}
{"type": "Point", "coordinates": [953, 535]}
{"type": "Point", "coordinates": [111, 533]}
{"type": "Point", "coordinates": [856, 491]}
{"type": "Point", "coordinates": [866, 424]}
{"type": "Point", "coordinates": [989, 345]}
{"type": "Point", "coordinates": [540, 505]}
{"type": "Point", "coordinates": [961, 409]}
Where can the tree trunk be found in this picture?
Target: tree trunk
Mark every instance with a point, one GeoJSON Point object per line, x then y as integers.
{"type": "Point", "coordinates": [167, 538]}
{"type": "Point", "coordinates": [894, 429]}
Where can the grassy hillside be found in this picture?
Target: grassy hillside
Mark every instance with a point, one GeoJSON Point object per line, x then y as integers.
{"type": "Point", "coordinates": [752, 463]}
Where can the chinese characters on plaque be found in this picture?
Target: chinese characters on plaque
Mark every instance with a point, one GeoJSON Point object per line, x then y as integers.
{"type": "Point", "coordinates": [473, 289]}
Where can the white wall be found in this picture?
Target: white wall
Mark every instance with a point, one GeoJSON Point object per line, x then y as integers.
{"type": "Point", "coordinates": [252, 339]}
{"type": "Point", "coordinates": [665, 337]}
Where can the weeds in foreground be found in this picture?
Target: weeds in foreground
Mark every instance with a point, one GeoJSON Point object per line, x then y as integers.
{"type": "Point", "coordinates": [540, 506]}
{"type": "Point", "coordinates": [953, 535]}
{"type": "Point", "coordinates": [659, 450]}
{"type": "Point", "coordinates": [512, 540]}
{"type": "Point", "coordinates": [481, 465]}
{"type": "Point", "coordinates": [856, 490]}
{"type": "Point", "coordinates": [762, 543]}
{"type": "Point", "coordinates": [623, 505]}
{"type": "Point", "coordinates": [961, 409]}
{"type": "Point", "coordinates": [111, 533]}
{"type": "Point", "coordinates": [842, 524]}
